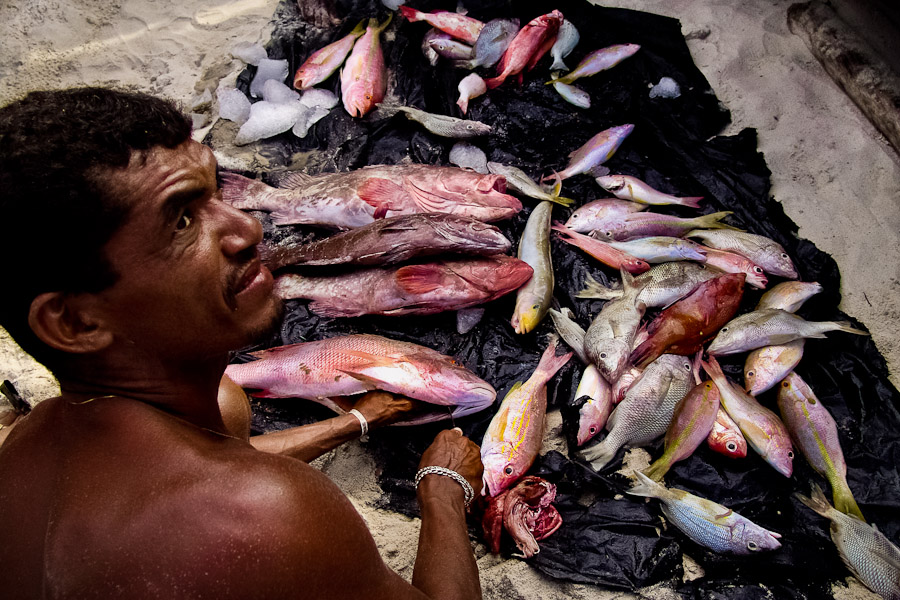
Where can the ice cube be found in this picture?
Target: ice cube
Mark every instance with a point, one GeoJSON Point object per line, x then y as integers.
{"type": "Point", "coordinates": [268, 69]}
{"type": "Point", "coordinates": [315, 97]}
{"type": "Point", "coordinates": [467, 156]}
{"type": "Point", "coordinates": [233, 105]}
{"type": "Point", "coordinates": [277, 92]}
{"type": "Point", "coordinates": [666, 88]}
{"type": "Point", "coordinates": [249, 53]}
{"type": "Point", "coordinates": [268, 119]}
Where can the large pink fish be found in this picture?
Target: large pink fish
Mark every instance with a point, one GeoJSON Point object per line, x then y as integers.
{"type": "Point", "coordinates": [353, 364]}
{"type": "Point", "coordinates": [602, 251]}
{"type": "Point", "coordinates": [364, 78]}
{"type": "Point", "coordinates": [513, 438]}
{"type": "Point", "coordinates": [420, 289]}
{"type": "Point", "coordinates": [530, 44]}
{"type": "Point", "coordinates": [325, 61]}
{"type": "Point", "coordinates": [356, 198]}
{"type": "Point", "coordinates": [459, 26]}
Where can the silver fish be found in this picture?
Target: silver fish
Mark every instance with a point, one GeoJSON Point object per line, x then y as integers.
{"type": "Point", "coordinates": [566, 40]}
{"type": "Point", "coordinates": [766, 253]}
{"type": "Point", "coordinates": [443, 125]}
{"type": "Point", "coordinates": [450, 48]}
{"type": "Point", "coordinates": [533, 299]}
{"type": "Point", "coordinates": [570, 332]}
{"type": "Point", "coordinates": [427, 49]}
{"type": "Point", "coordinates": [869, 555]}
{"type": "Point", "coordinates": [492, 42]}
{"type": "Point", "coordinates": [572, 94]}
{"type": "Point", "coordinates": [467, 156]}
{"type": "Point", "coordinates": [771, 326]}
{"type": "Point", "coordinates": [706, 522]}
{"type": "Point", "coordinates": [789, 295]}
{"type": "Point", "coordinates": [662, 285]}
{"type": "Point", "coordinates": [518, 181]}
{"type": "Point", "coordinates": [660, 248]}
{"type": "Point", "coordinates": [645, 413]}
{"type": "Point", "coordinates": [594, 214]}
{"type": "Point", "coordinates": [609, 339]}
{"type": "Point", "coordinates": [632, 188]}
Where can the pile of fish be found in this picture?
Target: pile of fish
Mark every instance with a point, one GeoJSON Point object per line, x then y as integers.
{"type": "Point", "coordinates": [413, 239]}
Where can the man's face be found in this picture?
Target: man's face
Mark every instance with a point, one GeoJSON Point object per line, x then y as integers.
{"type": "Point", "coordinates": [190, 281]}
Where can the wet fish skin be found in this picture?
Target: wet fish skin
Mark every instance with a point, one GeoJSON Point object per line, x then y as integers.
{"type": "Point", "coordinates": [609, 338]}
{"type": "Point", "coordinates": [866, 552]}
{"type": "Point", "coordinates": [443, 125]}
{"type": "Point", "coordinates": [459, 26]}
{"type": "Point", "coordinates": [706, 522]}
{"type": "Point", "coordinates": [566, 40]}
{"type": "Point", "coordinates": [533, 299]}
{"type": "Point", "coordinates": [789, 295]}
{"type": "Point", "coordinates": [518, 181]}
{"type": "Point", "coordinates": [394, 240]}
{"type": "Point", "coordinates": [729, 262]}
{"type": "Point", "coordinates": [526, 512]}
{"type": "Point", "coordinates": [768, 327]}
{"type": "Point", "coordinates": [364, 78]}
{"type": "Point", "coordinates": [767, 366]}
{"type": "Point", "coordinates": [646, 411]}
{"type": "Point", "coordinates": [726, 437]}
{"type": "Point", "coordinates": [353, 364]}
{"type": "Point", "coordinates": [420, 289]}
{"type": "Point", "coordinates": [595, 411]}
{"type": "Point", "coordinates": [592, 215]}
{"type": "Point", "coordinates": [638, 225]}
{"type": "Point", "coordinates": [325, 61]}
{"type": "Point", "coordinates": [814, 431]}
{"type": "Point", "coordinates": [470, 86]}
{"type": "Point", "coordinates": [602, 251]}
{"type": "Point", "coordinates": [570, 332]}
{"type": "Point", "coordinates": [761, 427]}
{"type": "Point", "coordinates": [599, 60]}
{"type": "Point", "coordinates": [691, 424]}
{"type": "Point", "coordinates": [513, 437]}
{"type": "Point", "coordinates": [626, 187]}
{"type": "Point", "coordinates": [527, 47]}
{"type": "Point", "coordinates": [767, 253]}
{"type": "Point", "coordinates": [689, 323]}
{"type": "Point", "coordinates": [595, 151]}
{"type": "Point", "coordinates": [492, 42]}
{"type": "Point", "coordinates": [660, 248]}
{"type": "Point", "coordinates": [661, 286]}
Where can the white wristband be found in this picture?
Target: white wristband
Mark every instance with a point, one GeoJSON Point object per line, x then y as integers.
{"type": "Point", "coordinates": [468, 492]}
{"type": "Point", "coordinates": [362, 422]}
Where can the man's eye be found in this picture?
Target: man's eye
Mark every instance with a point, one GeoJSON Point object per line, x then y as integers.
{"type": "Point", "coordinates": [184, 221]}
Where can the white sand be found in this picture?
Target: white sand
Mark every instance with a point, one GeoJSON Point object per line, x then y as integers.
{"type": "Point", "coordinates": [835, 175]}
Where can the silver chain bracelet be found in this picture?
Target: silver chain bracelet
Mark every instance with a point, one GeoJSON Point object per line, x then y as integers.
{"type": "Point", "coordinates": [467, 489]}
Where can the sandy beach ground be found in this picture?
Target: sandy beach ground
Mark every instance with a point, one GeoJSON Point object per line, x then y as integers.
{"type": "Point", "coordinates": [835, 175]}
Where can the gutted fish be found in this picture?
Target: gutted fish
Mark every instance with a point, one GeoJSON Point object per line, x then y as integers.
{"type": "Point", "coordinates": [525, 512]}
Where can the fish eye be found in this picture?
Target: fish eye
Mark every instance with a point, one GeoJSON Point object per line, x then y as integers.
{"type": "Point", "coordinates": [731, 446]}
{"type": "Point", "coordinates": [790, 454]}
{"type": "Point", "coordinates": [687, 366]}
{"type": "Point", "coordinates": [757, 270]}
{"type": "Point", "coordinates": [724, 329]}
{"type": "Point", "coordinates": [752, 546]}
{"type": "Point", "coordinates": [785, 384]}
{"type": "Point", "coordinates": [536, 306]}
{"type": "Point", "coordinates": [368, 96]}
{"type": "Point", "coordinates": [468, 127]}
{"type": "Point", "coordinates": [603, 355]}
{"type": "Point", "coordinates": [592, 430]}
{"type": "Point", "coordinates": [508, 470]}
{"type": "Point", "coordinates": [750, 373]}
{"type": "Point", "coordinates": [783, 255]}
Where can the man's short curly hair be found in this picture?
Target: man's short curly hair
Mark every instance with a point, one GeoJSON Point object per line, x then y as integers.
{"type": "Point", "coordinates": [56, 213]}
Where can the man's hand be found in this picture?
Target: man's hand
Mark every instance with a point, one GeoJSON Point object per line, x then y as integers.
{"type": "Point", "coordinates": [383, 408]}
{"type": "Point", "coordinates": [452, 450]}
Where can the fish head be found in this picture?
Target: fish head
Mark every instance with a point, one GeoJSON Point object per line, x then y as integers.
{"type": "Point", "coordinates": [729, 442]}
{"type": "Point", "coordinates": [783, 266]}
{"type": "Point", "coordinates": [620, 132]}
{"type": "Point", "coordinates": [474, 128]}
{"type": "Point", "coordinates": [611, 183]}
{"type": "Point", "coordinates": [729, 340]}
{"type": "Point", "coordinates": [501, 469]}
{"type": "Point", "coordinates": [590, 421]}
{"type": "Point", "coordinates": [780, 454]}
{"type": "Point", "coordinates": [611, 357]}
{"type": "Point", "coordinates": [527, 315]}
{"type": "Point", "coordinates": [506, 273]}
{"type": "Point", "coordinates": [756, 276]}
{"type": "Point", "coordinates": [756, 539]}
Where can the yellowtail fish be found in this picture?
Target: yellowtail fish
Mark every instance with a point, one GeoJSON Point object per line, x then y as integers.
{"type": "Point", "coordinates": [814, 431]}
{"type": "Point", "coordinates": [533, 299]}
{"type": "Point", "coordinates": [325, 61]}
{"type": "Point", "coordinates": [706, 522]}
{"type": "Point", "coordinates": [513, 438]}
{"type": "Point", "coordinates": [518, 181]}
{"type": "Point", "coordinates": [599, 60]}
{"type": "Point", "coordinates": [364, 78]}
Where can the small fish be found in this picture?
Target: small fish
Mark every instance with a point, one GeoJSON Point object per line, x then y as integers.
{"type": "Point", "coordinates": [518, 181]}
{"type": "Point", "coordinates": [420, 289]}
{"type": "Point", "coordinates": [770, 327]}
{"type": "Point", "coordinates": [443, 125]}
{"type": "Point", "coordinates": [566, 40]}
{"type": "Point", "coordinates": [525, 512]}
{"type": "Point", "coordinates": [814, 431]}
{"type": "Point", "coordinates": [729, 262]}
{"type": "Point", "coordinates": [869, 555]}
{"type": "Point", "coordinates": [492, 42]}
{"type": "Point", "coordinates": [646, 411]}
{"type": "Point", "coordinates": [762, 428]}
{"type": "Point", "coordinates": [513, 438]}
{"type": "Point", "coordinates": [573, 95]}
{"type": "Point", "coordinates": [632, 188]}
{"type": "Point", "coordinates": [595, 151]}
{"type": "Point", "coordinates": [766, 253]}
{"type": "Point", "coordinates": [570, 332]}
{"type": "Point", "coordinates": [353, 364]}
{"type": "Point", "coordinates": [592, 215]}
{"type": "Point", "coordinates": [602, 251]}
{"type": "Point", "coordinates": [428, 50]}
{"type": "Point", "coordinates": [450, 48]}
{"type": "Point", "coordinates": [527, 48]}
{"type": "Point", "coordinates": [726, 437]}
{"type": "Point", "coordinates": [364, 78]}
{"type": "Point", "coordinates": [638, 225]}
{"type": "Point", "coordinates": [789, 295]}
{"type": "Point", "coordinates": [660, 248]}
{"type": "Point", "coordinates": [609, 338]}
{"type": "Point", "coordinates": [325, 61]}
{"type": "Point", "coordinates": [459, 26]}
{"type": "Point", "coordinates": [624, 383]}
{"type": "Point", "coordinates": [533, 299]}
{"type": "Point", "coordinates": [706, 522]}
{"type": "Point", "coordinates": [662, 285]}
{"type": "Point", "coordinates": [470, 86]}
{"type": "Point", "coordinates": [767, 366]}
{"type": "Point", "coordinates": [599, 60]}
{"type": "Point", "coordinates": [597, 406]}
{"type": "Point", "coordinates": [692, 422]}
{"type": "Point", "coordinates": [467, 156]}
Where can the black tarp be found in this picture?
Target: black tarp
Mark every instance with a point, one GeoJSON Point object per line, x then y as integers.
{"type": "Point", "coordinates": [607, 539]}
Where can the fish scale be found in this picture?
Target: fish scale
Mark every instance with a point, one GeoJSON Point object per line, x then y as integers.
{"type": "Point", "coordinates": [609, 338]}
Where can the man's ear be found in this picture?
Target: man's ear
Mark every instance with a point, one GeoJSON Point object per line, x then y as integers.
{"type": "Point", "coordinates": [65, 322]}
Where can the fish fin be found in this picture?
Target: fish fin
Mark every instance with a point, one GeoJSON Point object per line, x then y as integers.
{"type": "Point", "coordinates": [373, 360]}
{"type": "Point", "coordinates": [657, 470]}
{"type": "Point", "coordinates": [359, 29]}
{"type": "Point", "coordinates": [370, 382]}
{"type": "Point", "coordinates": [514, 388]}
{"type": "Point", "coordinates": [264, 394]}
{"type": "Point", "coordinates": [595, 289]}
{"type": "Point", "coordinates": [844, 500]}
{"type": "Point", "coordinates": [644, 354]}
{"type": "Point", "coordinates": [463, 63]}
{"type": "Point", "coordinates": [293, 180]}
{"type": "Point", "coordinates": [245, 193]}
{"type": "Point", "coordinates": [285, 216]}
{"type": "Point", "coordinates": [495, 82]}
{"type": "Point", "coordinates": [420, 279]}
{"type": "Point", "coordinates": [646, 487]}
{"type": "Point", "coordinates": [691, 201]}
{"type": "Point", "coordinates": [558, 65]}
{"type": "Point", "coordinates": [846, 327]}
{"type": "Point", "coordinates": [381, 194]}
{"type": "Point", "coordinates": [712, 221]}
{"type": "Point", "coordinates": [328, 308]}
{"type": "Point", "coordinates": [601, 454]}
{"type": "Point", "coordinates": [550, 363]}
{"type": "Point", "coordinates": [373, 23]}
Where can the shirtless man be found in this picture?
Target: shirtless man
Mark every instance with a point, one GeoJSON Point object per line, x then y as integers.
{"type": "Point", "coordinates": [130, 278]}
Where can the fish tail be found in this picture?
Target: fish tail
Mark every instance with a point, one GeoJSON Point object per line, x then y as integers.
{"type": "Point", "coordinates": [550, 363]}
{"type": "Point", "coordinates": [379, 28]}
{"type": "Point", "coordinates": [818, 502]}
{"type": "Point", "coordinates": [561, 200]}
{"type": "Point", "coordinates": [463, 104]}
{"type": "Point", "coordinates": [564, 79]}
{"type": "Point", "coordinates": [595, 289]}
{"type": "Point", "coordinates": [846, 327]}
{"type": "Point", "coordinates": [245, 193]}
{"type": "Point", "coordinates": [712, 221]}
{"type": "Point", "coordinates": [647, 487]}
{"type": "Point", "coordinates": [359, 29]}
{"type": "Point", "coordinates": [495, 82]}
{"type": "Point", "coordinates": [462, 63]}
{"type": "Point", "coordinates": [844, 500]}
{"type": "Point", "coordinates": [558, 65]}
{"type": "Point", "coordinates": [691, 201]}
{"type": "Point", "coordinates": [411, 14]}
{"type": "Point", "coordinates": [602, 454]}
{"type": "Point", "coordinates": [658, 468]}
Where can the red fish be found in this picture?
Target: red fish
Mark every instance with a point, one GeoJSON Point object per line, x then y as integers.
{"type": "Point", "coordinates": [325, 61]}
{"type": "Point", "coordinates": [726, 437]}
{"type": "Point", "coordinates": [364, 78]}
{"type": "Point", "coordinates": [526, 512]}
{"type": "Point", "coordinates": [459, 26]}
{"type": "Point", "coordinates": [530, 44]}
{"type": "Point", "coordinates": [685, 326]}
{"type": "Point", "coordinates": [602, 251]}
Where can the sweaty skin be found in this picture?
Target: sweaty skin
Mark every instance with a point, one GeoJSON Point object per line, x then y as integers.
{"type": "Point", "coordinates": [140, 482]}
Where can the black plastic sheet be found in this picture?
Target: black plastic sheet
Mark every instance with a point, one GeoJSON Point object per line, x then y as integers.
{"type": "Point", "coordinates": [607, 539]}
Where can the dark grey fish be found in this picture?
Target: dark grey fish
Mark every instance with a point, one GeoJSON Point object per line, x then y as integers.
{"type": "Point", "coordinates": [492, 42]}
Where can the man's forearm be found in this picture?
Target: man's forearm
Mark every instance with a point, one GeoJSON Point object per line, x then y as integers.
{"type": "Point", "coordinates": [309, 442]}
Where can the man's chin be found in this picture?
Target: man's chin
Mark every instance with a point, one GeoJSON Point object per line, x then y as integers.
{"type": "Point", "coordinates": [268, 327]}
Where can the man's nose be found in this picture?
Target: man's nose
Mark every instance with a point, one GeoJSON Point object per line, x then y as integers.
{"type": "Point", "coordinates": [239, 230]}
